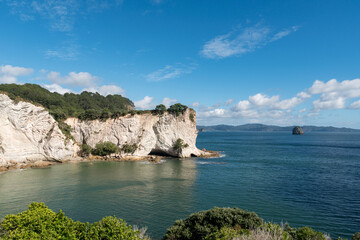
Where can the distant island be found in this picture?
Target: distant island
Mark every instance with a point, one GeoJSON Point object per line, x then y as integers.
{"type": "Point", "coordinates": [270, 128]}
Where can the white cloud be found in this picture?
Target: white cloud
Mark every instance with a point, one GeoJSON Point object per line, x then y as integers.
{"type": "Point", "coordinates": [59, 14]}
{"type": "Point", "coordinates": [355, 104]}
{"type": "Point", "coordinates": [106, 90]}
{"type": "Point", "coordinates": [241, 41]}
{"type": "Point", "coordinates": [66, 52]}
{"type": "Point", "coordinates": [169, 72]}
{"type": "Point", "coordinates": [81, 79]}
{"type": "Point", "coordinates": [145, 103]}
{"type": "Point", "coordinates": [56, 88]}
{"type": "Point", "coordinates": [9, 73]}
{"type": "Point", "coordinates": [195, 104]}
{"type": "Point", "coordinates": [334, 94]}
{"type": "Point", "coordinates": [168, 101]}
{"type": "Point", "coordinates": [229, 102]}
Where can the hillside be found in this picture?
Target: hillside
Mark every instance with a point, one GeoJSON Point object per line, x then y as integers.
{"type": "Point", "coordinates": [84, 105]}
{"type": "Point", "coordinates": [270, 128]}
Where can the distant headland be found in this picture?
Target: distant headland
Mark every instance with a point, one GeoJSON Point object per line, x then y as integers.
{"type": "Point", "coordinates": [271, 128]}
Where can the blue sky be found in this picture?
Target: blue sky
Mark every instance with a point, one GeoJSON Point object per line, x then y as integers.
{"type": "Point", "coordinates": [235, 62]}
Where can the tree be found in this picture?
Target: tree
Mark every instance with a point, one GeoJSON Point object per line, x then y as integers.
{"type": "Point", "coordinates": [177, 109]}
{"type": "Point", "coordinates": [159, 109]}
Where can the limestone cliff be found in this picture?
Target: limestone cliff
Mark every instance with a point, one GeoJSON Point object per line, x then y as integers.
{"type": "Point", "coordinates": [152, 133]}
{"type": "Point", "coordinates": [29, 133]}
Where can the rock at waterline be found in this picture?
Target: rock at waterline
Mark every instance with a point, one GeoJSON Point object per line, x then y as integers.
{"type": "Point", "coordinates": [297, 131]}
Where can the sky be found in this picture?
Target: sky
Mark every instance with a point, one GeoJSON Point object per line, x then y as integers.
{"type": "Point", "coordinates": [235, 62]}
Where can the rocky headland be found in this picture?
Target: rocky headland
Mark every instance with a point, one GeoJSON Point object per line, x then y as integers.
{"type": "Point", "coordinates": [31, 137]}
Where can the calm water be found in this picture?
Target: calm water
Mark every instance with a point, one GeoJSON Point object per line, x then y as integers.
{"type": "Point", "coordinates": [309, 180]}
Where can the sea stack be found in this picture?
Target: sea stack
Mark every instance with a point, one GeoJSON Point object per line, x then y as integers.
{"type": "Point", "coordinates": [297, 131]}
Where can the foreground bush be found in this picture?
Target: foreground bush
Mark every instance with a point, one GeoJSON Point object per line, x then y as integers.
{"type": "Point", "coordinates": [105, 148]}
{"type": "Point", "coordinates": [39, 222]}
{"type": "Point", "coordinates": [201, 224]}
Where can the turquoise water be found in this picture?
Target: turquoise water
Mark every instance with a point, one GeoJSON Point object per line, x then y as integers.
{"type": "Point", "coordinates": [311, 180]}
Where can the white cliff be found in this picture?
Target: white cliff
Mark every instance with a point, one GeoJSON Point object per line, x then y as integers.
{"type": "Point", "coordinates": [155, 134]}
{"type": "Point", "coordinates": [28, 133]}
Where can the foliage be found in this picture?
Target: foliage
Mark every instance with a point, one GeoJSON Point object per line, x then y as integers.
{"type": "Point", "coordinates": [105, 148]}
{"type": "Point", "coordinates": [177, 109]}
{"type": "Point", "coordinates": [179, 145]}
{"type": "Point", "coordinates": [87, 105]}
{"type": "Point", "coordinates": [129, 148]}
{"type": "Point", "coordinates": [201, 224]}
{"type": "Point", "coordinates": [356, 236]}
{"type": "Point", "coordinates": [85, 150]}
{"type": "Point", "coordinates": [65, 129]}
{"type": "Point", "coordinates": [159, 109]}
{"type": "Point", "coordinates": [226, 233]}
{"type": "Point", "coordinates": [39, 222]}
{"type": "Point", "coordinates": [111, 228]}
{"type": "Point", "coordinates": [306, 233]}
{"type": "Point", "coordinates": [192, 117]}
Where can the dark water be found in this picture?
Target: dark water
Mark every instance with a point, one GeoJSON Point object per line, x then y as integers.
{"type": "Point", "coordinates": [309, 180]}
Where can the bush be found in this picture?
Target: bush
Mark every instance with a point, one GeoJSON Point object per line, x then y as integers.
{"type": "Point", "coordinates": [85, 150]}
{"type": "Point", "coordinates": [177, 109]}
{"type": "Point", "coordinates": [39, 222]}
{"type": "Point", "coordinates": [201, 224]}
{"type": "Point", "coordinates": [129, 148]}
{"type": "Point", "coordinates": [306, 233]}
{"type": "Point", "coordinates": [192, 117]}
{"type": "Point", "coordinates": [159, 109]}
{"type": "Point", "coordinates": [356, 236]}
{"type": "Point", "coordinates": [65, 129]}
{"type": "Point", "coordinates": [105, 148]}
{"type": "Point", "coordinates": [179, 145]}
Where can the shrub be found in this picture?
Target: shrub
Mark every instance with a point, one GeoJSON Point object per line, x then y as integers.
{"type": "Point", "coordinates": [356, 236]}
{"type": "Point", "coordinates": [85, 150]}
{"type": "Point", "coordinates": [307, 233]}
{"type": "Point", "coordinates": [192, 117]}
{"type": "Point", "coordinates": [179, 145]}
{"type": "Point", "coordinates": [177, 109]}
{"type": "Point", "coordinates": [39, 222]}
{"type": "Point", "coordinates": [159, 109]}
{"type": "Point", "coordinates": [129, 148]}
{"type": "Point", "coordinates": [65, 129]}
{"type": "Point", "coordinates": [105, 148]}
{"type": "Point", "coordinates": [201, 224]}
{"type": "Point", "coordinates": [111, 228]}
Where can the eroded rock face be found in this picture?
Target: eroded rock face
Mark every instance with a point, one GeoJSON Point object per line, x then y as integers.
{"type": "Point", "coordinates": [155, 134]}
{"type": "Point", "coordinates": [29, 133]}
{"type": "Point", "coordinates": [297, 131]}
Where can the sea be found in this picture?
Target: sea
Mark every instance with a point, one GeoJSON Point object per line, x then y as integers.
{"type": "Point", "coordinates": [308, 180]}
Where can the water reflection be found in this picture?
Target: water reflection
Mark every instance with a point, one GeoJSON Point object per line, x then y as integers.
{"type": "Point", "coordinates": [139, 192]}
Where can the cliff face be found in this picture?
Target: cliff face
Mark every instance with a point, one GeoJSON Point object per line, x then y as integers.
{"type": "Point", "coordinates": [153, 134]}
{"type": "Point", "coordinates": [29, 133]}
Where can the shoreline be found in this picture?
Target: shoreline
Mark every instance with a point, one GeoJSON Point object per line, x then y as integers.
{"type": "Point", "coordinates": [12, 165]}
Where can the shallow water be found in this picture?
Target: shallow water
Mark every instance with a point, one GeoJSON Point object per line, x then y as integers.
{"type": "Point", "coordinates": [311, 180]}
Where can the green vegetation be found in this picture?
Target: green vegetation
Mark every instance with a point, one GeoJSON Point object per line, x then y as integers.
{"type": "Point", "coordinates": [356, 236]}
{"type": "Point", "coordinates": [179, 145]}
{"type": "Point", "coordinates": [159, 109]}
{"type": "Point", "coordinates": [85, 150]}
{"type": "Point", "coordinates": [105, 148]}
{"type": "Point", "coordinates": [177, 109]}
{"type": "Point", "coordinates": [39, 222]}
{"type": "Point", "coordinates": [129, 148]}
{"type": "Point", "coordinates": [202, 224]}
{"type": "Point", "coordinates": [192, 117]}
{"type": "Point", "coordinates": [86, 105]}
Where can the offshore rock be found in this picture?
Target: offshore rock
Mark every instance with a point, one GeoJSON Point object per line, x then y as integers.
{"type": "Point", "coordinates": [297, 131]}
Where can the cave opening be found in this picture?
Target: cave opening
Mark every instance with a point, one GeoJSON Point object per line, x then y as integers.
{"type": "Point", "coordinates": [158, 152]}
